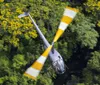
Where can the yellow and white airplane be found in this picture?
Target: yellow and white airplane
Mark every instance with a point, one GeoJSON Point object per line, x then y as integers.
{"type": "Point", "coordinates": [55, 57]}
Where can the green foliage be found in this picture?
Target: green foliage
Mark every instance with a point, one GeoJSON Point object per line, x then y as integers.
{"type": "Point", "coordinates": [92, 72]}
{"type": "Point", "coordinates": [98, 23]}
{"type": "Point", "coordinates": [80, 84]}
{"type": "Point", "coordinates": [93, 6]}
{"type": "Point", "coordinates": [20, 45]}
{"type": "Point", "coordinates": [94, 62]}
{"type": "Point", "coordinates": [85, 32]}
{"type": "Point", "coordinates": [1, 1]}
{"type": "Point", "coordinates": [4, 65]}
{"type": "Point", "coordinates": [44, 80]}
{"type": "Point", "coordinates": [18, 61]}
{"type": "Point", "coordinates": [12, 26]}
{"type": "Point", "coordinates": [88, 76]}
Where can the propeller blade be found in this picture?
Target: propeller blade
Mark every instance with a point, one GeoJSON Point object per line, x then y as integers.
{"type": "Point", "coordinates": [34, 70]}
{"type": "Point", "coordinates": [67, 18]}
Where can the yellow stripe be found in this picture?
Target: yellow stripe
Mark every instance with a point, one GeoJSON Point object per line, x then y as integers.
{"type": "Point", "coordinates": [73, 9]}
{"type": "Point", "coordinates": [37, 65]}
{"type": "Point", "coordinates": [46, 52]}
{"type": "Point", "coordinates": [29, 76]}
{"type": "Point", "coordinates": [58, 34]}
{"type": "Point", "coordinates": [66, 19]}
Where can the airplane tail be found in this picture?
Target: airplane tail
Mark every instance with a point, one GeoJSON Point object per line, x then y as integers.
{"type": "Point", "coordinates": [34, 70]}
{"type": "Point", "coordinates": [67, 18]}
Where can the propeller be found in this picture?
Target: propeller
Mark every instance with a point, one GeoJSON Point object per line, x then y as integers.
{"type": "Point", "coordinates": [34, 70]}
{"type": "Point", "coordinates": [67, 18]}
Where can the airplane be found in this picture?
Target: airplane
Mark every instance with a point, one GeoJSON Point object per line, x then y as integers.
{"type": "Point", "coordinates": [54, 56]}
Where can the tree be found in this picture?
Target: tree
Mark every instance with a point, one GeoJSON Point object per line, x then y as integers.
{"type": "Point", "coordinates": [94, 62]}
{"type": "Point", "coordinates": [20, 44]}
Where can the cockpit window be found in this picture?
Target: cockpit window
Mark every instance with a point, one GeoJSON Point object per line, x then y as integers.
{"type": "Point", "coordinates": [59, 66]}
{"type": "Point", "coordinates": [59, 56]}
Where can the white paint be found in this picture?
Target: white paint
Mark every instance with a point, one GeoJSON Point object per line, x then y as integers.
{"type": "Point", "coordinates": [69, 13]}
{"type": "Point", "coordinates": [41, 59]}
{"type": "Point", "coordinates": [33, 72]}
{"type": "Point", "coordinates": [63, 25]}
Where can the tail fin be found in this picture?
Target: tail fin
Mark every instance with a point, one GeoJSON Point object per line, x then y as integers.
{"type": "Point", "coordinates": [34, 70]}
{"type": "Point", "coordinates": [67, 18]}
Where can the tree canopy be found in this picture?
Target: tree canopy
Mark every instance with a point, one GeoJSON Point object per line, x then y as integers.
{"type": "Point", "coordinates": [20, 44]}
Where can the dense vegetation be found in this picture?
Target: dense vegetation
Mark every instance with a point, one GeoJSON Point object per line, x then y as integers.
{"type": "Point", "coordinates": [20, 44]}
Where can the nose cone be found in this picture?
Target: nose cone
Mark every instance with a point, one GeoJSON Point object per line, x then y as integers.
{"type": "Point", "coordinates": [59, 66]}
{"type": "Point", "coordinates": [61, 71]}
